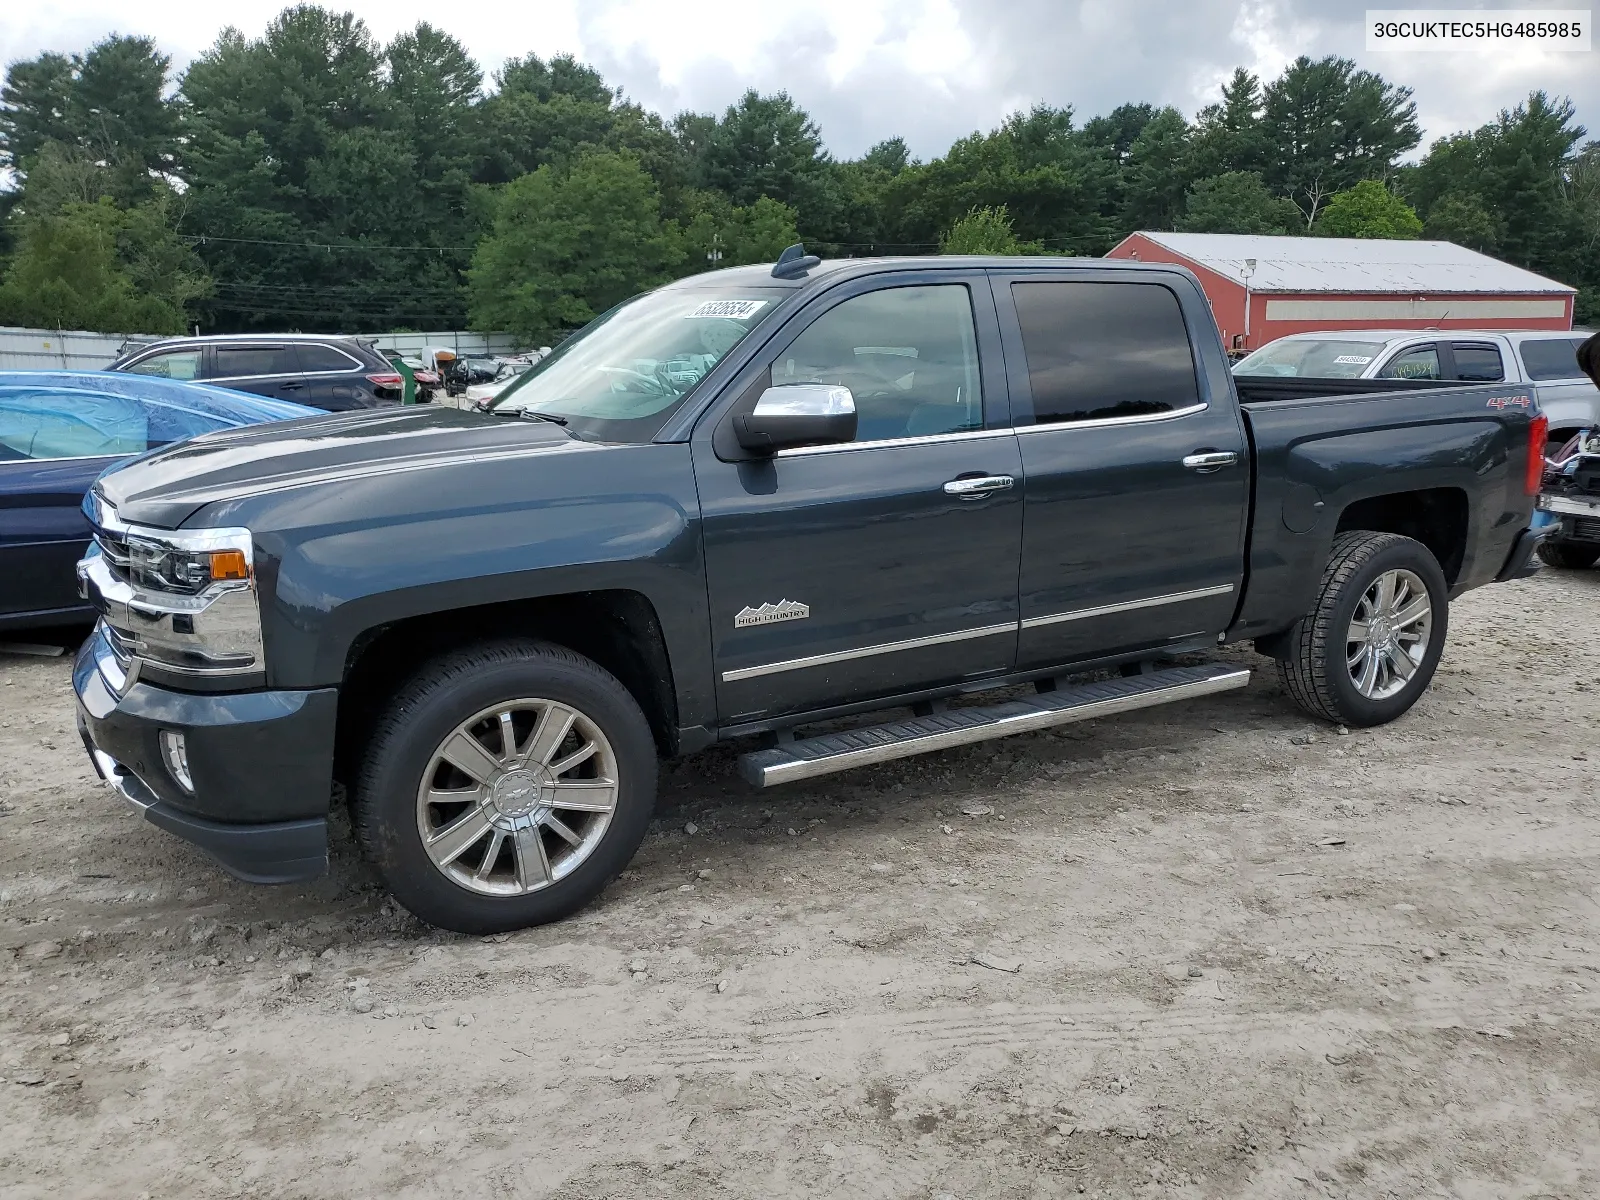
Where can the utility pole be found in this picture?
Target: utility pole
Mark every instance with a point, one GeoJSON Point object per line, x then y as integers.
{"type": "Point", "coordinates": [714, 255]}
{"type": "Point", "coordinates": [1249, 270]}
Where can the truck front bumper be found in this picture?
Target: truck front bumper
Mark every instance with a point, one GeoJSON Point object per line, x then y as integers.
{"type": "Point", "coordinates": [259, 765]}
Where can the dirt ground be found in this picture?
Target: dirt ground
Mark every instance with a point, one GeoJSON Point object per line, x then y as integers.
{"type": "Point", "coordinates": [1254, 957]}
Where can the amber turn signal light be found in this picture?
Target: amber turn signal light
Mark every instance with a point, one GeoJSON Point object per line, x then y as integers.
{"type": "Point", "coordinates": [229, 564]}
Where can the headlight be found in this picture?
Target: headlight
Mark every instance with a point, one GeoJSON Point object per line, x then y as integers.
{"type": "Point", "coordinates": [168, 567]}
{"type": "Point", "coordinates": [182, 602]}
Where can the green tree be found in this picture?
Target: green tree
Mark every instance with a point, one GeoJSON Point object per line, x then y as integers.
{"type": "Point", "coordinates": [1229, 136]}
{"type": "Point", "coordinates": [33, 108]}
{"type": "Point", "coordinates": [1155, 174]}
{"type": "Point", "coordinates": [985, 231]}
{"type": "Point", "coordinates": [1581, 188]}
{"type": "Point", "coordinates": [1056, 187]}
{"type": "Point", "coordinates": [316, 181]}
{"type": "Point", "coordinates": [1116, 132]}
{"type": "Point", "coordinates": [1460, 217]}
{"type": "Point", "coordinates": [765, 146]}
{"type": "Point", "coordinates": [891, 156]}
{"type": "Point", "coordinates": [1327, 126]}
{"type": "Point", "coordinates": [1368, 210]}
{"type": "Point", "coordinates": [1506, 185]}
{"type": "Point", "coordinates": [107, 106]}
{"type": "Point", "coordinates": [570, 242]}
{"type": "Point", "coordinates": [1238, 202]}
{"type": "Point", "coordinates": [720, 234]}
{"type": "Point", "coordinates": [96, 266]}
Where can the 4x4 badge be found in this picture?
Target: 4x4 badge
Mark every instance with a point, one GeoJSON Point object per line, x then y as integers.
{"type": "Point", "coordinates": [771, 614]}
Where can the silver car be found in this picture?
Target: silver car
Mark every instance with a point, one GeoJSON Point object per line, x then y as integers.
{"type": "Point", "coordinates": [1545, 360]}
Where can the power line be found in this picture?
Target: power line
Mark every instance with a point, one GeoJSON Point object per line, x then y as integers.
{"type": "Point", "coordinates": [200, 239]}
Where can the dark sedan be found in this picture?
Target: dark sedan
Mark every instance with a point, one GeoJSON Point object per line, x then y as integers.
{"type": "Point", "coordinates": [58, 431]}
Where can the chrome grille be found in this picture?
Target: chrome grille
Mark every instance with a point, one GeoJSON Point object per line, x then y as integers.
{"type": "Point", "coordinates": [116, 643]}
{"type": "Point", "coordinates": [115, 550]}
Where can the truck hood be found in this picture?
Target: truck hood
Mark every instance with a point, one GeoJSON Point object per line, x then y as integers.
{"type": "Point", "coordinates": [167, 487]}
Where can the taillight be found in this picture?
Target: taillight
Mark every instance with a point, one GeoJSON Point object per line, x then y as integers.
{"type": "Point", "coordinates": [394, 381]}
{"type": "Point", "coordinates": [1538, 431]}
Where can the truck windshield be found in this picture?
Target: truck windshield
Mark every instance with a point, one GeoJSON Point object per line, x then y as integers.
{"type": "Point", "coordinates": [620, 377]}
{"type": "Point", "coordinates": [1311, 358]}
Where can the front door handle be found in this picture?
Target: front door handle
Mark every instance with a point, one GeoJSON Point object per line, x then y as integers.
{"type": "Point", "coordinates": [976, 487]}
{"type": "Point", "coordinates": [290, 387]}
{"type": "Point", "coordinates": [1206, 461]}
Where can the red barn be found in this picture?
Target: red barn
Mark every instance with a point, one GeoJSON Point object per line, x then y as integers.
{"type": "Point", "coordinates": [1263, 287]}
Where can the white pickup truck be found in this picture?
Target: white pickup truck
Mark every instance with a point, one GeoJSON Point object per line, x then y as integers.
{"type": "Point", "coordinates": [1545, 360]}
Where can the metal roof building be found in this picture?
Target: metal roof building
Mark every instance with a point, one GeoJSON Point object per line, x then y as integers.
{"type": "Point", "coordinates": [1263, 287]}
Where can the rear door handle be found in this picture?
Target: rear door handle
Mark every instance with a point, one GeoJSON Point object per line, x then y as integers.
{"type": "Point", "coordinates": [290, 387]}
{"type": "Point", "coordinates": [1206, 461]}
{"type": "Point", "coordinates": [976, 487]}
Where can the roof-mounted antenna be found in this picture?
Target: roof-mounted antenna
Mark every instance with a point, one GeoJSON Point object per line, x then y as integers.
{"type": "Point", "coordinates": [794, 263]}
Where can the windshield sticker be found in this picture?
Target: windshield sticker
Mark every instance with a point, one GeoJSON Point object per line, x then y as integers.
{"type": "Point", "coordinates": [1359, 360]}
{"type": "Point", "coordinates": [738, 310]}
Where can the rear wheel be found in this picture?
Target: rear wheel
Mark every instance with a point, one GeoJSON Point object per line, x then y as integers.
{"type": "Point", "coordinates": [505, 786]}
{"type": "Point", "coordinates": [1369, 648]}
{"type": "Point", "coordinates": [1569, 556]}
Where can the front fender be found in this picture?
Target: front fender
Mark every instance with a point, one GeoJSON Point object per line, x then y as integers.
{"type": "Point", "coordinates": [339, 560]}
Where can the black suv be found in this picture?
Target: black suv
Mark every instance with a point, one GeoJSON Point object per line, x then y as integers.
{"type": "Point", "coordinates": [334, 373]}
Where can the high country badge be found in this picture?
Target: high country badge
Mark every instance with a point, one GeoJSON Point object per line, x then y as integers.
{"type": "Point", "coordinates": [771, 614]}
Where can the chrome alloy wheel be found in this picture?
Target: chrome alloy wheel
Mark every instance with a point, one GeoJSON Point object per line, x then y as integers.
{"type": "Point", "coordinates": [1388, 636]}
{"type": "Point", "coordinates": [517, 797]}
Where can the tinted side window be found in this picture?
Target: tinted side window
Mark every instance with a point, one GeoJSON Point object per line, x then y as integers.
{"type": "Point", "coordinates": [1478, 363]}
{"type": "Point", "coordinates": [234, 362]}
{"type": "Point", "coordinates": [1419, 362]}
{"type": "Point", "coordinates": [317, 356]}
{"type": "Point", "coordinates": [1098, 350]}
{"type": "Point", "coordinates": [1551, 358]}
{"type": "Point", "coordinates": [174, 364]}
{"type": "Point", "coordinates": [908, 355]}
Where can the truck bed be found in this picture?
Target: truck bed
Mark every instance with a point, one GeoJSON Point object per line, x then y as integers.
{"type": "Point", "coordinates": [1444, 462]}
{"type": "Point", "coordinates": [1260, 389]}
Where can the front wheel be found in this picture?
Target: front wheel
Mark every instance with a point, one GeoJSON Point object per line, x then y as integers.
{"type": "Point", "coordinates": [1568, 555]}
{"type": "Point", "coordinates": [1368, 649]}
{"type": "Point", "coordinates": [505, 786]}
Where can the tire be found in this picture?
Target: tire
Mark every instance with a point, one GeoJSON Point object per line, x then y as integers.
{"type": "Point", "coordinates": [1317, 670]}
{"type": "Point", "coordinates": [500, 847]}
{"type": "Point", "coordinates": [1568, 555]}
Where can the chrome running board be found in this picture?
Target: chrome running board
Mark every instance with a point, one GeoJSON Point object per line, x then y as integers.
{"type": "Point", "coordinates": [823, 755]}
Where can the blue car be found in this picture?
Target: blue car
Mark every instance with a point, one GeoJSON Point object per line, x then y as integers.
{"type": "Point", "coordinates": [58, 431]}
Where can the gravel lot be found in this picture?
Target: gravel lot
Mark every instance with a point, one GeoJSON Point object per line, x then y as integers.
{"type": "Point", "coordinates": [1253, 958]}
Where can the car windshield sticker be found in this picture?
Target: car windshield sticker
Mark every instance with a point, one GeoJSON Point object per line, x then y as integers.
{"type": "Point", "coordinates": [738, 310]}
{"type": "Point", "coordinates": [1357, 359]}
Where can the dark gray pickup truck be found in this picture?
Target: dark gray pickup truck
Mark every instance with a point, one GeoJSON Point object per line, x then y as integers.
{"type": "Point", "coordinates": [746, 503]}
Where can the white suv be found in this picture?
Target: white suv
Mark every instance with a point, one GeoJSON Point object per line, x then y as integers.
{"type": "Point", "coordinates": [1546, 360]}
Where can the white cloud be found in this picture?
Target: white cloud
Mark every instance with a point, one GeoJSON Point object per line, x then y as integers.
{"type": "Point", "coordinates": [928, 70]}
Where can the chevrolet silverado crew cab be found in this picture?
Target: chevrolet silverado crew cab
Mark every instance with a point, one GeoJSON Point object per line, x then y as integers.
{"type": "Point", "coordinates": [743, 504]}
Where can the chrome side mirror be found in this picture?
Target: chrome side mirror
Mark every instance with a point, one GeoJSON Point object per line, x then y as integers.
{"type": "Point", "coordinates": [798, 414]}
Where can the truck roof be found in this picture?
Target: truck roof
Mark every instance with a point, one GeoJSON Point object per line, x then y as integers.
{"type": "Point", "coordinates": [760, 274]}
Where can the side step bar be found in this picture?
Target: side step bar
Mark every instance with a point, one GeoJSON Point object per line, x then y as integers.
{"type": "Point", "coordinates": [960, 727]}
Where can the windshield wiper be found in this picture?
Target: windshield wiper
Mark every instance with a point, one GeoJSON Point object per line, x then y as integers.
{"type": "Point", "coordinates": [528, 414]}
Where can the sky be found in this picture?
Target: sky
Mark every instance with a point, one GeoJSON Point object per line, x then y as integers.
{"type": "Point", "coordinates": [926, 70]}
